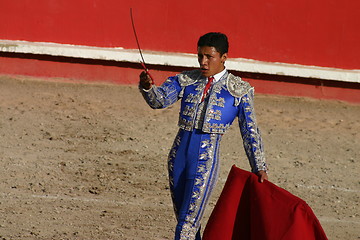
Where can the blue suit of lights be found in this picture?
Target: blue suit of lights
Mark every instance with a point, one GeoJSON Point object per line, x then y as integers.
{"type": "Point", "coordinates": [193, 160]}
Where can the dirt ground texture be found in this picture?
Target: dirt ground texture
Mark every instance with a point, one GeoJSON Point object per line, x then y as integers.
{"type": "Point", "coordinates": [88, 161]}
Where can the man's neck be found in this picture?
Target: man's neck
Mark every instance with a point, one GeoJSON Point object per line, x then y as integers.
{"type": "Point", "coordinates": [218, 76]}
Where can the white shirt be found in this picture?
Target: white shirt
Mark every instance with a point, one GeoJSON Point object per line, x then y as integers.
{"type": "Point", "coordinates": [219, 75]}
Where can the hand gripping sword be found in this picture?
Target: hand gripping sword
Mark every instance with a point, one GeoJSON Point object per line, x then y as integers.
{"type": "Point", "coordinates": [137, 42]}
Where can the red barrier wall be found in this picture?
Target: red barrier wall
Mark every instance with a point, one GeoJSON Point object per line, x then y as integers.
{"type": "Point", "coordinates": [322, 33]}
{"type": "Point", "coordinates": [127, 73]}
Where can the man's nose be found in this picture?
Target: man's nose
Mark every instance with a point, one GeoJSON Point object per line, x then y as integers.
{"type": "Point", "coordinates": [203, 61]}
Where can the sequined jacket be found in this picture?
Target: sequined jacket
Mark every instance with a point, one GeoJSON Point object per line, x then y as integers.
{"type": "Point", "coordinates": [230, 97]}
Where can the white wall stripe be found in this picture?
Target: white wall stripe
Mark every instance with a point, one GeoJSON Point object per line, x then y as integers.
{"type": "Point", "coordinates": [178, 59]}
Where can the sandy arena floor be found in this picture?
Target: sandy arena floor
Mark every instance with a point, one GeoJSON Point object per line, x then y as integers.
{"type": "Point", "coordinates": [88, 161]}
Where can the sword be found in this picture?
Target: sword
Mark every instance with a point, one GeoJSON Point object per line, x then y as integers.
{"type": "Point", "coordinates": [141, 55]}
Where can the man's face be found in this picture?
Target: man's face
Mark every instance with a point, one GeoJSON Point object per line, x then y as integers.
{"type": "Point", "coordinates": [210, 61]}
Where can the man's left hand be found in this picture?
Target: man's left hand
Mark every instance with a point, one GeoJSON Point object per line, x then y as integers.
{"type": "Point", "coordinates": [262, 175]}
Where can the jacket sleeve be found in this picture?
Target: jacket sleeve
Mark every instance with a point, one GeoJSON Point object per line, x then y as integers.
{"type": "Point", "coordinates": [163, 96]}
{"type": "Point", "coordinates": [250, 133]}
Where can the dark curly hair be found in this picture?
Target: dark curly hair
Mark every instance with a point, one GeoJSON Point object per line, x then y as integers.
{"type": "Point", "coordinates": [215, 39]}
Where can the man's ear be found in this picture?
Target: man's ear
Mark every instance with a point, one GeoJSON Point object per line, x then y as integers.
{"type": "Point", "coordinates": [224, 58]}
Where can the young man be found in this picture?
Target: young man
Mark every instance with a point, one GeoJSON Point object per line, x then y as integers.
{"type": "Point", "coordinates": [211, 98]}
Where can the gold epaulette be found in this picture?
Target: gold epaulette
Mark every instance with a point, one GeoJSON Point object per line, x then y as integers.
{"type": "Point", "coordinates": [187, 78]}
{"type": "Point", "coordinates": [236, 86]}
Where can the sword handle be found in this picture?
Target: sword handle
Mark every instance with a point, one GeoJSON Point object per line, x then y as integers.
{"type": "Point", "coordinates": [147, 72]}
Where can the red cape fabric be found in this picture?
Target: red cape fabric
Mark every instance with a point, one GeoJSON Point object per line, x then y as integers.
{"type": "Point", "coordinates": [251, 210]}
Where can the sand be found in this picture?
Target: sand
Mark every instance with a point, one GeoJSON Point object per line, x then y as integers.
{"type": "Point", "coordinates": [88, 161]}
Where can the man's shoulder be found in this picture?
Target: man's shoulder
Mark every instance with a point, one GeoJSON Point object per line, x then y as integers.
{"type": "Point", "coordinates": [236, 86]}
{"type": "Point", "coordinates": [189, 77]}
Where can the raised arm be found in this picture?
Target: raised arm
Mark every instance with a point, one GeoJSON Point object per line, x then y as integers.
{"type": "Point", "coordinates": [162, 96]}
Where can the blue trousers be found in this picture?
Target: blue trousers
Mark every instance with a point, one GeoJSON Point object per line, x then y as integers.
{"type": "Point", "coordinates": [193, 170]}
